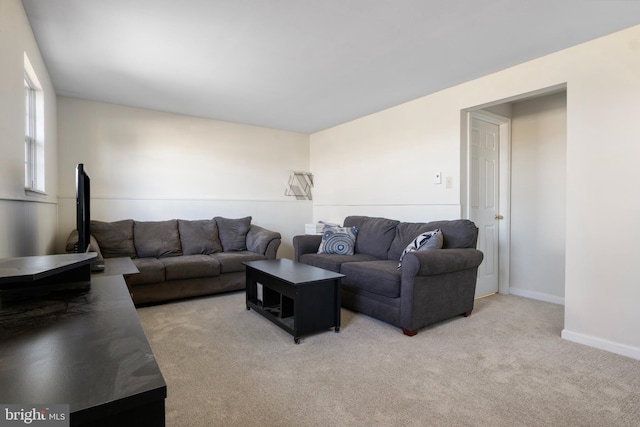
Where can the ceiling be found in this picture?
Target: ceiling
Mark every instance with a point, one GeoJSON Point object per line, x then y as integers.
{"type": "Point", "coordinates": [299, 65]}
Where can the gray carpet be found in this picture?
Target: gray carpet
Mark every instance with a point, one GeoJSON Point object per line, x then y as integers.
{"type": "Point", "coordinates": [505, 365]}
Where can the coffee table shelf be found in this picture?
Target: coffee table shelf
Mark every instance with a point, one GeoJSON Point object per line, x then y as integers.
{"type": "Point", "coordinates": [299, 298]}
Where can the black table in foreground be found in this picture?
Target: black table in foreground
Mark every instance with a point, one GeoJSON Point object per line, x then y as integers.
{"type": "Point", "coordinates": [299, 298]}
{"type": "Point", "coordinates": [85, 347]}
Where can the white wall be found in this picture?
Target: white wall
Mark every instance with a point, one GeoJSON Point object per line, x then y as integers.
{"type": "Point", "coordinates": [149, 165]}
{"type": "Point", "coordinates": [27, 222]}
{"type": "Point", "coordinates": [538, 197]}
{"type": "Point", "coordinates": [384, 163]}
{"type": "Point", "coordinates": [603, 130]}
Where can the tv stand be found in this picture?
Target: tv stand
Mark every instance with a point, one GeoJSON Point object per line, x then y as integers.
{"type": "Point", "coordinates": [81, 339]}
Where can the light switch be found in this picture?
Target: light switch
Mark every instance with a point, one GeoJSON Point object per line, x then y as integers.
{"type": "Point", "coordinates": [437, 178]}
{"type": "Point", "coordinates": [448, 182]}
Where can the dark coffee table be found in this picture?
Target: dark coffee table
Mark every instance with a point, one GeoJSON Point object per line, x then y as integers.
{"type": "Point", "coordinates": [299, 298]}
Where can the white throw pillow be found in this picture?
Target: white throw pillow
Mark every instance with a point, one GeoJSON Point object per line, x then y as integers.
{"type": "Point", "coordinates": [427, 240]}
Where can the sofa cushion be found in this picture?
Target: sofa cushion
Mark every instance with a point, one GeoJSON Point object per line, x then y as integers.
{"type": "Point", "coordinates": [157, 238]}
{"type": "Point", "coordinates": [333, 262]}
{"type": "Point", "coordinates": [233, 233]}
{"type": "Point", "coordinates": [151, 271]}
{"type": "Point", "coordinates": [424, 241]}
{"type": "Point", "coordinates": [199, 237]}
{"type": "Point", "coordinates": [190, 266]}
{"type": "Point", "coordinates": [374, 234]}
{"type": "Point", "coordinates": [115, 238]}
{"type": "Point", "coordinates": [338, 240]}
{"type": "Point", "coordinates": [380, 277]}
{"type": "Point", "coordinates": [459, 233]}
{"type": "Point", "coordinates": [233, 261]}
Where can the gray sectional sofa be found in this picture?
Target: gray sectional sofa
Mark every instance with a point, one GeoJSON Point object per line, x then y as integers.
{"type": "Point", "coordinates": [182, 258]}
{"type": "Point", "coordinates": [428, 287]}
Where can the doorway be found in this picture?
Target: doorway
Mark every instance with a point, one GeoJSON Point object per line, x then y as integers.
{"type": "Point", "coordinates": [489, 176]}
{"type": "Point", "coordinates": [531, 194]}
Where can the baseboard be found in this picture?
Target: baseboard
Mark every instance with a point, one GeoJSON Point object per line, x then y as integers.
{"type": "Point", "coordinates": [536, 295]}
{"type": "Point", "coordinates": [602, 344]}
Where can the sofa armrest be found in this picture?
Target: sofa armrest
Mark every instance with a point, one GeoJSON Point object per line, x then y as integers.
{"type": "Point", "coordinates": [436, 285]}
{"type": "Point", "coordinates": [306, 244]}
{"type": "Point", "coordinates": [440, 261]}
{"type": "Point", "coordinates": [73, 239]}
{"type": "Point", "coordinates": [262, 241]}
{"type": "Point", "coordinates": [71, 242]}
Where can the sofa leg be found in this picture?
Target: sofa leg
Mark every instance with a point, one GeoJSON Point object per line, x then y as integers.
{"type": "Point", "coordinates": [467, 314]}
{"type": "Point", "coordinates": [409, 332]}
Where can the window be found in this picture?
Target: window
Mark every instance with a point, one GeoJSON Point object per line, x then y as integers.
{"type": "Point", "coordinates": [33, 130]}
{"type": "Point", "coordinates": [29, 133]}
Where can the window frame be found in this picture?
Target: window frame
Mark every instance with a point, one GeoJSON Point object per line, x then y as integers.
{"type": "Point", "coordinates": [34, 152]}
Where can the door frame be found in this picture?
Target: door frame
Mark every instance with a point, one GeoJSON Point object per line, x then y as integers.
{"type": "Point", "coordinates": [504, 204]}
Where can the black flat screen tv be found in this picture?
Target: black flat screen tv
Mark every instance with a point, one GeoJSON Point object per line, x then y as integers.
{"type": "Point", "coordinates": [83, 209]}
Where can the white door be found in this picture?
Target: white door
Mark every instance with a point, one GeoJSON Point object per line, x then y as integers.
{"type": "Point", "coordinates": [484, 193]}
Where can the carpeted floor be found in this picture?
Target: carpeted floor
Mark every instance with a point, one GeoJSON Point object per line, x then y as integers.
{"type": "Point", "coordinates": [505, 365]}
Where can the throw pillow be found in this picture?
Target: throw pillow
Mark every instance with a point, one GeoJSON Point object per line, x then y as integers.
{"type": "Point", "coordinates": [199, 237]}
{"type": "Point", "coordinates": [427, 240]}
{"type": "Point", "coordinates": [233, 233]}
{"type": "Point", "coordinates": [338, 240]}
